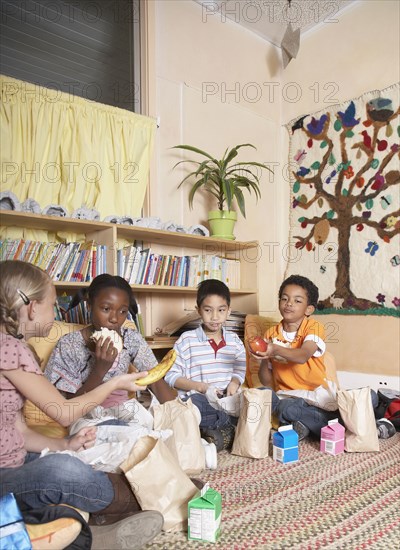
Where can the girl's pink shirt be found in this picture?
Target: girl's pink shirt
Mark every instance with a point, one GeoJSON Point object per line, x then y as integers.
{"type": "Point", "coordinates": [14, 354]}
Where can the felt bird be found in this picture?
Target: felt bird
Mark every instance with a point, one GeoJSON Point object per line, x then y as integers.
{"type": "Point", "coordinates": [378, 183]}
{"type": "Point", "coordinates": [380, 109]}
{"type": "Point", "coordinates": [365, 145]}
{"type": "Point", "coordinates": [382, 144]}
{"type": "Point", "coordinates": [316, 127]}
{"type": "Point", "coordinates": [367, 140]}
{"type": "Point", "coordinates": [386, 201]}
{"type": "Point", "coordinates": [300, 155]}
{"type": "Point", "coordinates": [303, 171]}
{"type": "Point", "coordinates": [347, 118]}
{"type": "Point", "coordinates": [298, 124]}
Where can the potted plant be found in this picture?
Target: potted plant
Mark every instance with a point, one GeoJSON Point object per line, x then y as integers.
{"type": "Point", "coordinates": [225, 179]}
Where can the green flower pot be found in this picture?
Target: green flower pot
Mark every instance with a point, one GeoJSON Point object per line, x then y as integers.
{"type": "Point", "coordinates": [222, 223]}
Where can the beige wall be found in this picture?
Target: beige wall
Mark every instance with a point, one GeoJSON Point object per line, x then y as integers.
{"type": "Point", "coordinates": [340, 61]}
{"type": "Point", "coordinates": [214, 86]}
{"type": "Point", "coordinates": [209, 78]}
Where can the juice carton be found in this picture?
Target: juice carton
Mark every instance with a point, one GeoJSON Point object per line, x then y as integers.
{"type": "Point", "coordinates": [285, 445]}
{"type": "Point", "coordinates": [332, 438]}
{"type": "Point", "coordinates": [13, 533]}
{"type": "Point", "coordinates": [204, 515]}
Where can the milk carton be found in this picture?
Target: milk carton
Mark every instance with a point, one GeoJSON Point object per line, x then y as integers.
{"type": "Point", "coordinates": [332, 438]}
{"type": "Point", "coordinates": [204, 515]}
{"type": "Point", "coordinates": [285, 445]}
{"type": "Point", "coordinates": [13, 533]}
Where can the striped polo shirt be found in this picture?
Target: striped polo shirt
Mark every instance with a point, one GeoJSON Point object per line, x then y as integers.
{"type": "Point", "coordinates": [201, 361]}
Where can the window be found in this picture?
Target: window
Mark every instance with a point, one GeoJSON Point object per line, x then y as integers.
{"type": "Point", "coordinates": [89, 48]}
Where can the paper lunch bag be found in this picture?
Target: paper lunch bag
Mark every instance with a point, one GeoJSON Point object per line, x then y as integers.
{"type": "Point", "coordinates": [253, 429]}
{"type": "Point", "coordinates": [185, 443]}
{"type": "Point", "coordinates": [158, 482]}
{"type": "Point", "coordinates": [355, 407]}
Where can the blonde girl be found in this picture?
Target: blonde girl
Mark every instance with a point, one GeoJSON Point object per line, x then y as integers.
{"type": "Point", "coordinates": [27, 299]}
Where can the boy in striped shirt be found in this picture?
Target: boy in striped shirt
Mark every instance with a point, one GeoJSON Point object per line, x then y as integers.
{"type": "Point", "coordinates": [210, 356]}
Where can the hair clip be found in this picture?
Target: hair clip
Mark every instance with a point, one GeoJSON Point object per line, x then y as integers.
{"type": "Point", "coordinates": [24, 297]}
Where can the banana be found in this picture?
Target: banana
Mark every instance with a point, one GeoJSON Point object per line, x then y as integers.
{"type": "Point", "coordinates": [159, 371]}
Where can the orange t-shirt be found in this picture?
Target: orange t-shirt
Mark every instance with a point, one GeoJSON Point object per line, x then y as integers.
{"type": "Point", "coordinates": [296, 376]}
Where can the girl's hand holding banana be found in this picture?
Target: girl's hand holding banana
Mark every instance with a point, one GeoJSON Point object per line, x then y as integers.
{"type": "Point", "coordinates": [159, 371]}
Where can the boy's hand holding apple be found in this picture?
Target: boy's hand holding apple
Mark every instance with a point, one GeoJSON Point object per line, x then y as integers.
{"type": "Point", "coordinates": [258, 347]}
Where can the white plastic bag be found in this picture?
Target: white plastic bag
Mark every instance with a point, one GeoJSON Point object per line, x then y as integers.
{"type": "Point", "coordinates": [230, 404]}
{"type": "Point", "coordinates": [322, 397]}
{"type": "Point", "coordinates": [113, 445]}
{"type": "Point", "coordinates": [130, 411]}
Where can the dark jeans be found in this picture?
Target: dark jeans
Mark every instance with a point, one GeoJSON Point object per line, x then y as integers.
{"type": "Point", "coordinates": [211, 418]}
{"type": "Point", "coordinates": [57, 479]}
{"type": "Point", "coordinates": [295, 408]}
{"type": "Point", "coordinates": [214, 419]}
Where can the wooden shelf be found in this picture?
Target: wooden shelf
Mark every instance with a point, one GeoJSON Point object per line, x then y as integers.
{"type": "Point", "coordinates": [10, 218]}
{"type": "Point", "coordinates": [66, 285]}
{"type": "Point", "coordinates": [157, 302]}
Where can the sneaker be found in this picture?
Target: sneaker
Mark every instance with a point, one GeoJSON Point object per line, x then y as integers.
{"type": "Point", "coordinates": [210, 452]}
{"type": "Point", "coordinates": [221, 437]}
{"type": "Point", "coordinates": [199, 484]}
{"type": "Point", "coordinates": [133, 532]}
{"type": "Point", "coordinates": [385, 428]}
{"type": "Point", "coordinates": [301, 430]}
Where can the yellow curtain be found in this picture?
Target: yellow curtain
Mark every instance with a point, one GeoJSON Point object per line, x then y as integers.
{"type": "Point", "coordinates": [62, 149]}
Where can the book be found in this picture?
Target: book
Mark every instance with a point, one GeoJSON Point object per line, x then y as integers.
{"type": "Point", "coordinates": [168, 273]}
{"type": "Point", "coordinates": [157, 272]}
{"type": "Point", "coordinates": [177, 270]}
{"type": "Point", "coordinates": [64, 268]}
{"type": "Point", "coordinates": [139, 321]}
{"type": "Point", "coordinates": [163, 277]}
{"type": "Point", "coordinates": [174, 326]}
{"type": "Point", "coordinates": [148, 269]}
{"type": "Point", "coordinates": [135, 266]}
{"type": "Point", "coordinates": [94, 262]}
{"type": "Point", "coordinates": [152, 271]}
{"type": "Point", "coordinates": [130, 256]}
{"type": "Point", "coordinates": [144, 255]}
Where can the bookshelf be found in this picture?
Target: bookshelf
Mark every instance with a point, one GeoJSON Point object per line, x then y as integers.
{"type": "Point", "coordinates": [159, 303]}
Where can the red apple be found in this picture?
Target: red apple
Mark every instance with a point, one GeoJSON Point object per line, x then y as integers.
{"type": "Point", "coordinates": [257, 344]}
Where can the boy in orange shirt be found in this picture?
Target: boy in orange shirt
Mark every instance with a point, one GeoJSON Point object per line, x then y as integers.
{"type": "Point", "coordinates": [295, 359]}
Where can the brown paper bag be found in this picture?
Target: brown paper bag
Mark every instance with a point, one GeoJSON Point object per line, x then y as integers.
{"type": "Point", "coordinates": [158, 482]}
{"type": "Point", "coordinates": [252, 432]}
{"type": "Point", "coordinates": [185, 443]}
{"type": "Point", "coordinates": [355, 407]}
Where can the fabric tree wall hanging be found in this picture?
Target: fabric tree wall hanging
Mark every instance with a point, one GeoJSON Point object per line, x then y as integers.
{"type": "Point", "coordinates": [345, 216]}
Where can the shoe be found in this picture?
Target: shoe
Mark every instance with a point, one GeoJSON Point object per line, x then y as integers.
{"type": "Point", "coordinates": [301, 430]}
{"type": "Point", "coordinates": [199, 484]}
{"type": "Point", "coordinates": [131, 533]}
{"type": "Point", "coordinates": [385, 428]}
{"type": "Point", "coordinates": [123, 505]}
{"type": "Point", "coordinates": [221, 437]}
{"type": "Point", "coordinates": [210, 452]}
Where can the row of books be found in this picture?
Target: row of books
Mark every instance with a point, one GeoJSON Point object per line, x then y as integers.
{"type": "Point", "coordinates": [190, 321]}
{"type": "Point", "coordinates": [81, 262]}
{"type": "Point", "coordinates": [81, 314]}
{"type": "Point", "coordinates": [72, 262]}
{"type": "Point", "coordinates": [144, 267]}
{"type": "Point", "coordinates": [78, 314]}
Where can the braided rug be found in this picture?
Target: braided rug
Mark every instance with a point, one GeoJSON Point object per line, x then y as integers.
{"type": "Point", "coordinates": [349, 501]}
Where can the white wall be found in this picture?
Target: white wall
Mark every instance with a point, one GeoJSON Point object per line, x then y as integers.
{"type": "Point", "coordinates": [336, 62]}
{"type": "Point", "coordinates": [217, 84]}
{"type": "Point", "coordinates": [210, 94]}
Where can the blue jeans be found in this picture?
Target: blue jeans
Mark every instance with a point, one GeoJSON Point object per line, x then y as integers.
{"type": "Point", "coordinates": [57, 479]}
{"type": "Point", "coordinates": [215, 419]}
{"type": "Point", "coordinates": [211, 418]}
{"type": "Point", "coordinates": [295, 408]}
